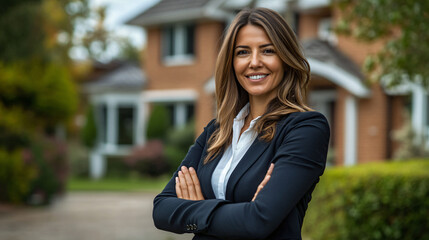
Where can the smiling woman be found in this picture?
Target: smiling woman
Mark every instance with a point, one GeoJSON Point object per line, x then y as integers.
{"type": "Point", "coordinates": [251, 173]}
{"type": "Point", "coordinates": [258, 68]}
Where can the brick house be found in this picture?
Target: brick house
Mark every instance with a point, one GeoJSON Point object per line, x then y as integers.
{"type": "Point", "coordinates": [183, 39]}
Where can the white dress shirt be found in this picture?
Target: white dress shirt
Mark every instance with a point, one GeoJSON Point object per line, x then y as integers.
{"type": "Point", "coordinates": [233, 154]}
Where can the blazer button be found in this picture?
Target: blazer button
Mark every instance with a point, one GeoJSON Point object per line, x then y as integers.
{"type": "Point", "coordinates": [188, 227]}
{"type": "Point", "coordinates": [195, 227]}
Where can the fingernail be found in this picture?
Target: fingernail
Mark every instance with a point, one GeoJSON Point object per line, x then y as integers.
{"type": "Point", "coordinates": [177, 180]}
{"type": "Point", "coordinates": [191, 169]}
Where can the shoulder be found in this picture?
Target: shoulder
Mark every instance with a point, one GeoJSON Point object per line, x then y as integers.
{"type": "Point", "coordinates": [310, 119]}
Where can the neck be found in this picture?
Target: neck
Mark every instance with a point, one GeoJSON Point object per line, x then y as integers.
{"type": "Point", "coordinates": [258, 106]}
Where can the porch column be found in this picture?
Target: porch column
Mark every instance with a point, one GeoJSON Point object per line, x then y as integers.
{"type": "Point", "coordinates": [419, 110]}
{"type": "Point", "coordinates": [180, 113]}
{"type": "Point", "coordinates": [141, 112]}
{"type": "Point", "coordinates": [97, 165]}
{"type": "Point", "coordinates": [112, 125]}
{"type": "Point", "coordinates": [350, 127]}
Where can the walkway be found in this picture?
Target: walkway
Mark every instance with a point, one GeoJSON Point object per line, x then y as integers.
{"type": "Point", "coordinates": [93, 216]}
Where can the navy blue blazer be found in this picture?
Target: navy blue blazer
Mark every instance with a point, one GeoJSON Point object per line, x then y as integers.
{"type": "Point", "coordinates": [298, 149]}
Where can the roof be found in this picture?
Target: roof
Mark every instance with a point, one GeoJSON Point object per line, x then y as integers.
{"type": "Point", "coordinates": [171, 11]}
{"type": "Point", "coordinates": [166, 11]}
{"type": "Point", "coordinates": [127, 76]}
{"type": "Point", "coordinates": [325, 52]}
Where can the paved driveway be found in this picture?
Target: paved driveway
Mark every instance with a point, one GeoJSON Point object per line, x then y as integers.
{"type": "Point", "coordinates": [103, 216]}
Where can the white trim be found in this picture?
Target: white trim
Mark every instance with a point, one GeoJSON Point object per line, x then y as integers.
{"type": "Point", "coordinates": [339, 77]}
{"type": "Point", "coordinates": [419, 109]}
{"type": "Point", "coordinates": [350, 133]}
{"type": "Point", "coordinates": [210, 86]}
{"type": "Point", "coordinates": [178, 60]}
{"type": "Point", "coordinates": [180, 95]}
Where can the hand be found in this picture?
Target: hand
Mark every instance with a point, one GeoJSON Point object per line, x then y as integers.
{"type": "Point", "coordinates": [187, 184]}
{"type": "Point", "coordinates": [264, 182]}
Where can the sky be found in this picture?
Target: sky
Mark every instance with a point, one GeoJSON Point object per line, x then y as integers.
{"type": "Point", "coordinates": [117, 13]}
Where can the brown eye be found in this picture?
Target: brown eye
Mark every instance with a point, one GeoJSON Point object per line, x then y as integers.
{"type": "Point", "coordinates": [242, 52]}
{"type": "Point", "coordinates": [269, 51]}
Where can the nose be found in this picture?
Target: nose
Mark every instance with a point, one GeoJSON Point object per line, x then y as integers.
{"type": "Point", "coordinates": [255, 61]}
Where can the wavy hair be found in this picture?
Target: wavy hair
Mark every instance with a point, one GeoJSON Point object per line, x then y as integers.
{"type": "Point", "coordinates": [230, 95]}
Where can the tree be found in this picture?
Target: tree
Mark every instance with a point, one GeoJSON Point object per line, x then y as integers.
{"type": "Point", "coordinates": [41, 29]}
{"type": "Point", "coordinates": [405, 25]}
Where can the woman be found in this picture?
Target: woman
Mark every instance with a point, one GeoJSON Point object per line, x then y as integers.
{"type": "Point", "coordinates": [251, 173]}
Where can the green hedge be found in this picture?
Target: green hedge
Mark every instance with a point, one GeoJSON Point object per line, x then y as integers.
{"type": "Point", "coordinates": [371, 201]}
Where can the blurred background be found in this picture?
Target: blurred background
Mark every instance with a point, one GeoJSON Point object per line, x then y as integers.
{"type": "Point", "coordinates": [101, 99]}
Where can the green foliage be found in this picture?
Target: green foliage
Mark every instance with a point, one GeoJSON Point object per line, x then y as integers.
{"type": "Point", "coordinates": [42, 91]}
{"type": "Point", "coordinates": [49, 155]}
{"type": "Point", "coordinates": [158, 123]}
{"type": "Point", "coordinates": [16, 176]}
{"type": "Point", "coordinates": [78, 156]}
{"type": "Point", "coordinates": [403, 24]}
{"type": "Point", "coordinates": [178, 143]}
{"type": "Point", "coordinates": [89, 131]}
{"type": "Point", "coordinates": [411, 144]}
{"type": "Point", "coordinates": [41, 29]}
{"type": "Point", "coordinates": [371, 201]}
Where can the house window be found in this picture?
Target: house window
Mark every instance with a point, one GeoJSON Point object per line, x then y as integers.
{"type": "Point", "coordinates": [325, 31]}
{"type": "Point", "coordinates": [178, 44]}
{"type": "Point", "coordinates": [126, 125]}
{"type": "Point", "coordinates": [180, 113]}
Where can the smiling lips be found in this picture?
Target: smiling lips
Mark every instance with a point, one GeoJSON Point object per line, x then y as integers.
{"type": "Point", "coordinates": [256, 77]}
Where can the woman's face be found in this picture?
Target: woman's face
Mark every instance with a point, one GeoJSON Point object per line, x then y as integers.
{"type": "Point", "coordinates": [258, 68]}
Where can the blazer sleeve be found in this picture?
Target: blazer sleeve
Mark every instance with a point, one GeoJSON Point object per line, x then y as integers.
{"type": "Point", "coordinates": [299, 162]}
{"type": "Point", "coordinates": [184, 216]}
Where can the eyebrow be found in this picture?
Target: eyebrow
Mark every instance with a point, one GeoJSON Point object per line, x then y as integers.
{"type": "Point", "coordinates": [260, 46]}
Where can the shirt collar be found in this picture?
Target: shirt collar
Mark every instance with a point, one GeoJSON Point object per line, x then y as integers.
{"type": "Point", "coordinates": [243, 114]}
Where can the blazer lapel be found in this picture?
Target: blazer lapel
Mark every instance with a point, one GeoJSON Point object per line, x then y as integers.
{"type": "Point", "coordinates": [258, 147]}
{"type": "Point", "coordinates": [206, 176]}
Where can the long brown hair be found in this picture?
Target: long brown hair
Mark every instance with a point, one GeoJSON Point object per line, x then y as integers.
{"type": "Point", "coordinates": [231, 97]}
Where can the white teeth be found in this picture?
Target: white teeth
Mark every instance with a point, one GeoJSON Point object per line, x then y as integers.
{"type": "Point", "coordinates": [256, 77]}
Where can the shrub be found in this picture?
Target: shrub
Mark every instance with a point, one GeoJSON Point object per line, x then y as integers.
{"type": "Point", "coordinates": [178, 142]}
{"type": "Point", "coordinates": [158, 123]}
{"type": "Point", "coordinates": [148, 159]}
{"type": "Point", "coordinates": [16, 175]}
{"type": "Point", "coordinates": [371, 201]}
{"type": "Point", "coordinates": [89, 131]}
{"type": "Point", "coordinates": [49, 155]}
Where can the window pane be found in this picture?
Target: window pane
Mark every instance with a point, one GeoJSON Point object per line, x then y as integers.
{"type": "Point", "coordinates": [189, 39]}
{"type": "Point", "coordinates": [168, 41]}
{"type": "Point", "coordinates": [190, 112]}
{"type": "Point", "coordinates": [125, 125]}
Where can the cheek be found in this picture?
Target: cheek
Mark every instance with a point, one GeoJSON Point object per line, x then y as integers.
{"type": "Point", "coordinates": [238, 66]}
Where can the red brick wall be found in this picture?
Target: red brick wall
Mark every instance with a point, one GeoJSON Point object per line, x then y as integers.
{"type": "Point", "coordinates": [192, 76]}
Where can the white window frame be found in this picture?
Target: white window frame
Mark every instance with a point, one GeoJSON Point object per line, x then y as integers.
{"type": "Point", "coordinates": [179, 56]}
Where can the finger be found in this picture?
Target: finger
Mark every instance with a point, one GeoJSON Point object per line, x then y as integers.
{"type": "Point", "coordinates": [196, 183]}
{"type": "Point", "coordinates": [183, 186]}
{"type": "Point", "coordinates": [189, 183]}
{"type": "Point", "coordinates": [270, 169]}
{"type": "Point", "coordinates": [178, 189]}
{"type": "Point", "coordinates": [265, 181]}
{"type": "Point", "coordinates": [261, 186]}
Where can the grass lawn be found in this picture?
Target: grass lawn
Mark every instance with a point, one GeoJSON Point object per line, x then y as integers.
{"type": "Point", "coordinates": [120, 185]}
